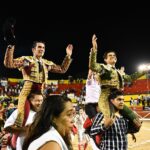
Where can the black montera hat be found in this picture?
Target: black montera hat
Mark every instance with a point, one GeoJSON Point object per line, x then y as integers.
{"type": "Point", "coordinates": [8, 31]}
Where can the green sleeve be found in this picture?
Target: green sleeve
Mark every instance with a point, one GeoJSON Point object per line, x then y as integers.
{"type": "Point", "coordinates": [93, 65]}
{"type": "Point", "coordinates": [133, 76]}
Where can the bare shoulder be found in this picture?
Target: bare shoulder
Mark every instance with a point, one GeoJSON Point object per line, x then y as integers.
{"type": "Point", "coordinates": [51, 145]}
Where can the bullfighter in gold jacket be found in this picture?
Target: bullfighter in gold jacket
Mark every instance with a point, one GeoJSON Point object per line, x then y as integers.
{"type": "Point", "coordinates": [35, 71]}
{"type": "Point", "coordinates": [111, 78]}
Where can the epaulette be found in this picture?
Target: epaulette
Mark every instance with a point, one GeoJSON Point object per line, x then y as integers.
{"type": "Point", "coordinates": [29, 58]}
{"type": "Point", "coordinates": [106, 67]}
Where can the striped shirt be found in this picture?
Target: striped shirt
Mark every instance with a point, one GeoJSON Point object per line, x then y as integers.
{"type": "Point", "coordinates": [113, 138]}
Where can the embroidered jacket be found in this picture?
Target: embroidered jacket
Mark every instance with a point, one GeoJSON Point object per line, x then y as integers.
{"type": "Point", "coordinates": [109, 76]}
{"type": "Point", "coordinates": [30, 67]}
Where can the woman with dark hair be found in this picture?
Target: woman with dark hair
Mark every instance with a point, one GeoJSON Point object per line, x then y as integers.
{"type": "Point", "coordinates": [52, 125]}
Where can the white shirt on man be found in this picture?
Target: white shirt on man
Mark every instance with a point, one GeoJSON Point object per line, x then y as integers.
{"type": "Point", "coordinates": [93, 91]}
{"type": "Point", "coordinates": [11, 120]}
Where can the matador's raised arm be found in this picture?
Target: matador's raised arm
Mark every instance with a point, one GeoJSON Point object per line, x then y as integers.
{"type": "Point", "coordinates": [9, 60]}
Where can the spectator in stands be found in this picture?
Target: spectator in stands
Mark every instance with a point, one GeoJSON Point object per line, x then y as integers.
{"type": "Point", "coordinates": [35, 99]}
{"type": "Point", "coordinates": [135, 102]}
{"type": "Point", "coordinates": [10, 110]}
{"type": "Point", "coordinates": [111, 77]}
{"type": "Point", "coordinates": [143, 101]}
{"type": "Point", "coordinates": [139, 99]}
{"type": "Point", "coordinates": [35, 71]}
{"type": "Point", "coordinates": [114, 129]}
{"type": "Point", "coordinates": [148, 101]}
{"type": "Point", "coordinates": [131, 101]}
{"type": "Point", "coordinates": [2, 116]}
{"type": "Point", "coordinates": [52, 126]}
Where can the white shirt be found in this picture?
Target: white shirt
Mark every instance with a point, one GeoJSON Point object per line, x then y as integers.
{"type": "Point", "coordinates": [11, 120]}
{"type": "Point", "coordinates": [93, 91]}
{"type": "Point", "coordinates": [50, 135]}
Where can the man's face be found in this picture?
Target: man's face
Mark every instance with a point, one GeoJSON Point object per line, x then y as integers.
{"type": "Point", "coordinates": [39, 50]}
{"type": "Point", "coordinates": [111, 58]}
{"type": "Point", "coordinates": [36, 102]}
{"type": "Point", "coordinates": [118, 102]}
{"type": "Point", "coordinates": [81, 111]}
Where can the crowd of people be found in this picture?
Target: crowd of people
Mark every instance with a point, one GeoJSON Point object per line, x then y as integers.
{"type": "Point", "coordinates": [49, 121]}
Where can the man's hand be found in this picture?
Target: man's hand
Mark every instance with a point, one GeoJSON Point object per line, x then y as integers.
{"type": "Point", "coordinates": [109, 121]}
{"type": "Point", "coordinates": [5, 139]}
{"type": "Point", "coordinates": [94, 42]}
{"type": "Point", "coordinates": [122, 71]}
{"type": "Point", "coordinates": [69, 49]}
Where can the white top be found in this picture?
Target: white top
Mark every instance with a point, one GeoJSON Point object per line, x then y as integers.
{"type": "Point", "coordinates": [93, 91]}
{"type": "Point", "coordinates": [50, 135]}
{"type": "Point", "coordinates": [11, 120]}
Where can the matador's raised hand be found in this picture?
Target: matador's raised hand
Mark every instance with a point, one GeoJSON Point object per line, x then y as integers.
{"type": "Point", "coordinates": [94, 42]}
{"type": "Point", "coordinates": [69, 49]}
{"type": "Point", "coordinates": [122, 71]}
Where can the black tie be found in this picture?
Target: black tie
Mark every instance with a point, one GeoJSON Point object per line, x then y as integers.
{"type": "Point", "coordinates": [40, 66]}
